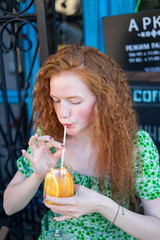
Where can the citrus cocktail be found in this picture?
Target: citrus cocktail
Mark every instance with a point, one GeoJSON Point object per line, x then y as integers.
{"type": "Point", "coordinates": [59, 183]}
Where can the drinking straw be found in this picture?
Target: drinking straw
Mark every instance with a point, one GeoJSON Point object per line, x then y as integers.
{"type": "Point", "coordinates": [64, 142]}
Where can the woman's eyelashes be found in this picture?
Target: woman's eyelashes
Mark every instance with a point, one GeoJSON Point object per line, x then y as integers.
{"type": "Point", "coordinates": [75, 102]}
{"type": "Point", "coordinates": [72, 101]}
{"type": "Point", "coordinates": [56, 101]}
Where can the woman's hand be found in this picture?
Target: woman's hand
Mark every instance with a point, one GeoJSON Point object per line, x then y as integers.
{"type": "Point", "coordinates": [85, 201]}
{"type": "Point", "coordinates": [42, 159]}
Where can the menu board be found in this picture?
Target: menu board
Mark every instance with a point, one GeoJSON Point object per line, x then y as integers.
{"type": "Point", "coordinates": [146, 100]}
{"type": "Point", "coordinates": [133, 40]}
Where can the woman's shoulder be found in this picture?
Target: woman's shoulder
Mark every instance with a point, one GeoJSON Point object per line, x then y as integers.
{"type": "Point", "coordinates": [147, 171]}
{"type": "Point", "coordinates": [24, 165]}
{"type": "Point", "coordinates": [142, 134]}
{"type": "Point", "coordinates": [146, 154]}
{"type": "Point", "coordinates": [145, 141]}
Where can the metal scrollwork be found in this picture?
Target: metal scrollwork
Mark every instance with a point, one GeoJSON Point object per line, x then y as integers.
{"type": "Point", "coordinates": [12, 38]}
{"type": "Point", "coordinates": [16, 38]}
{"type": "Point", "coordinates": [13, 6]}
{"type": "Point", "coordinates": [19, 38]}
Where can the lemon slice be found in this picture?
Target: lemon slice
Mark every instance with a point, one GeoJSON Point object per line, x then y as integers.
{"type": "Point", "coordinates": [66, 182]}
{"type": "Point", "coordinates": [52, 185]}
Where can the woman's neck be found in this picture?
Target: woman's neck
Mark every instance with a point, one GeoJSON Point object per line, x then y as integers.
{"type": "Point", "coordinates": [80, 139]}
{"type": "Point", "coordinates": [80, 154]}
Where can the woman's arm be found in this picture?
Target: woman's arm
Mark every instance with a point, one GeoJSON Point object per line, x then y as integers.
{"type": "Point", "coordinates": [20, 191]}
{"type": "Point", "coordinates": [144, 227]}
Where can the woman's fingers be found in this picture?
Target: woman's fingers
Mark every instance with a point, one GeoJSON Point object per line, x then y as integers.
{"type": "Point", "coordinates": [77, 187]}
{"type": "Point", "coordinates": [63, 209]}
{"type": "Point", "coordinates": [58, 201]}
{"type": "Point", "coordinates": [51, 161]}
{"type": "Point", "coordinates": [27, 155]}
{"type": "Point", "coordinates": [45, 138]}
{"type": "Point", "coordinates": [45, 141]}
{"type": "Point", "coordinates": [54, 144]}
{"type": "Point", "coordinates": [48, 141]}
{"type": "Point", "coordinates": [32, 143]}
{"type": "Point", "coordinates": [41, 157]}
{"type": "Point", "coordinates": [57, 154]}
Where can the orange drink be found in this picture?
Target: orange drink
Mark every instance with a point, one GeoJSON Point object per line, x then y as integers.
{"type": "Point", "coordinates": [59, 183]}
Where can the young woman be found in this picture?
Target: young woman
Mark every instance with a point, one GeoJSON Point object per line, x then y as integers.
{"type": "Point", "coordinates": [113, 162]}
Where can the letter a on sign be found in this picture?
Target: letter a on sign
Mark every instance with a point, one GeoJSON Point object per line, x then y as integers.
{"type": "Point", "coordinates": [132, 25]}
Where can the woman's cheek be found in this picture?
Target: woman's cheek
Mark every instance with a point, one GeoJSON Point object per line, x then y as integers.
{"type": "Point", "coordinates": [85, 115]}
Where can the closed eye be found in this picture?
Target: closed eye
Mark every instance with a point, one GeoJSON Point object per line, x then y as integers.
{"type": "Point", "coordinates": [76, 102]}
{"type": "Point", "coordinates": [55, 100]}
{"type": "Point", "coordinates": [72, 100]}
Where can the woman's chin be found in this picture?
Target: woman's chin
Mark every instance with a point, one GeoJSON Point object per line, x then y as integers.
{"type": "Point", "coordinates": [71, 132]}
{"type": "Point", "coordinates": [76, 131]}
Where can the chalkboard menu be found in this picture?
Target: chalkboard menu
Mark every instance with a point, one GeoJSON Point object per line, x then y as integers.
{"type": "Point", "coordinates": [133, 40]}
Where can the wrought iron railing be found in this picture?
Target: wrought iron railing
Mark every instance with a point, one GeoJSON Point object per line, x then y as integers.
{"type": "Point", "coordinates": [24, 35]}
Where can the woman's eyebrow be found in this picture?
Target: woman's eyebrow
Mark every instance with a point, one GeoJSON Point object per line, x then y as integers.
{"type": "Point", "coordinates": [70, 97]}
{"type": "Point", "coordinates": [75, 96]}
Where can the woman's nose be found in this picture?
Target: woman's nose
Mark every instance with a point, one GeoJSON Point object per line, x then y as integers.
{"type": "Point", "coordinates": [64, 111]}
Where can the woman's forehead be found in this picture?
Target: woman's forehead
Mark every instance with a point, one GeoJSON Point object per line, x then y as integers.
{"type": "Point", "coordinates": [68, 83]}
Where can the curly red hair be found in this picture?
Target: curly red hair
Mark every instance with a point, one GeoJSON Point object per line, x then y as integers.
{"type": "Point", "coordinates": [113, 129]}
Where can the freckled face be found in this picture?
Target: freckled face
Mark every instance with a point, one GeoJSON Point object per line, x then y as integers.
{"type": "Point", "coordinates": [72, 101]}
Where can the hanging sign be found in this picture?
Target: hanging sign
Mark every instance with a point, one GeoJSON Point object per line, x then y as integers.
{"type": "Point", "coordinates": [133, 40]}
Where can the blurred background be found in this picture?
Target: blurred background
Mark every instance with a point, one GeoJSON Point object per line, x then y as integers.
{"type": "Point", "coordinates": [30, 31]}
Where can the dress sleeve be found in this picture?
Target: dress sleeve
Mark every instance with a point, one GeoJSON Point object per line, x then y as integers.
{"type": "Point", "coordinates": [147, 169]}
{"type": "Point", "coordinates": [24, 165]}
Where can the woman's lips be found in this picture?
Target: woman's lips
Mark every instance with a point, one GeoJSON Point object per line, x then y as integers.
{"type": "Point", "coordinates": [67, 125]}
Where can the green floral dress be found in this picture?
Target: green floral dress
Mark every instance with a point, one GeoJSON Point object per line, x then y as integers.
{"type": "Point", "coordinates": [95, 226]}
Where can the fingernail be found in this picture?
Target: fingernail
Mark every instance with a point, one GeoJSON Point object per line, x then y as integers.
{"type": "Point", "coordinates": [54, 219]}
{"type": "Point", "coordinates": [44, 196]}
{"type": "Point", "coordinates": [62, 145]}
{"type": "Point", "coordinates": [51, 138]}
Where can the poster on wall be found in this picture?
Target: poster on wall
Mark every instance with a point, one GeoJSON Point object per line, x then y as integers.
{"type": "Point", "coordinates": [133, 40]}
